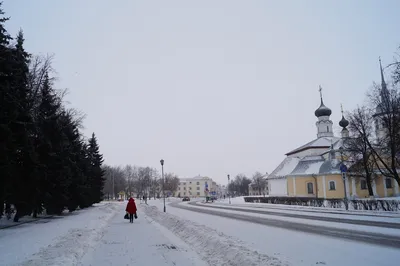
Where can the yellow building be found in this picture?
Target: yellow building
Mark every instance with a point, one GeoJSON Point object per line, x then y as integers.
{"type": "Point", "coordinates": [313, 170]}
{"type": "Point", "coordinates": [196, 187]}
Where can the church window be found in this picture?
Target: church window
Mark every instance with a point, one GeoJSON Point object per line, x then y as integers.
{"type": "Point", "coordinates": [327, 128]}
{"type": "Point", "coordinates": [332, 185]}
{"type": "Point", "coordinates": [363, 184]}
{"type": "Point", "coordinates": [310, 188]}
{"type": "Point", "coordinates": [388, 182]}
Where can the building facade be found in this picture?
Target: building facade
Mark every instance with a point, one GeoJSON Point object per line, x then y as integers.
{"type": "Point", "coordinates": [314, 169]}
{"type": "Point", "coordinates": [199, 186]}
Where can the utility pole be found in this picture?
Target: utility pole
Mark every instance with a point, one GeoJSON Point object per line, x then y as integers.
{"type": "Point", "coordinates": [229, 195]}
{"type": "Point", "coordinates": [162, 173]}
{"type": "Point", "coordinates": [113, 186]}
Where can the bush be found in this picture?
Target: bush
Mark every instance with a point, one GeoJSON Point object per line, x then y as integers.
{"type": "Point", "coordinates": [356, 204]}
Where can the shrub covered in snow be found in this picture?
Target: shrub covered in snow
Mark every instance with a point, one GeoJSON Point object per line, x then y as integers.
{"type": "Point", "coordinates": [355, 204]}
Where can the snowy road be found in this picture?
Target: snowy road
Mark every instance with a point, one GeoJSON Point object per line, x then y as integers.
{"type": "Point", "coordinates": [290, 247]}
{"type": "Point", "coordinates": [362, 236]}
{"type": "Point", "coordinates": [337, 219]}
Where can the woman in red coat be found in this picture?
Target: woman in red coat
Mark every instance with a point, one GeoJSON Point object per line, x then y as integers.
{"type": "Point", "coordinates": [131, 209]}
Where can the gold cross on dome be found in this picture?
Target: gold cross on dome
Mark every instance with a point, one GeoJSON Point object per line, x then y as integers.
{"type": "Point", "coordinates": [320, 91]}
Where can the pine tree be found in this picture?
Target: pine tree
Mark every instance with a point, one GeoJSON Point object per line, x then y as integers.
{"type": "Point", "coordinates": [96, 172]}
{"type": "Point", "coordinates": [6, 112]}
{"type": "Point", "coordinates": [53, 186]}
{"type": "Point", "coordinates": [85, 166]}
{"type": "Point", "coordinates": [22, 128]}
{"type": "Point", "coordinates": [74, 152]}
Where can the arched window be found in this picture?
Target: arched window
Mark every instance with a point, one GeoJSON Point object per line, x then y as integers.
{"type": "Point", "coordinates": [327, 128]}
{"type": "Point", "coordinates": [332, 185]}
{"type": "Point", "coordinates": [310, 188]}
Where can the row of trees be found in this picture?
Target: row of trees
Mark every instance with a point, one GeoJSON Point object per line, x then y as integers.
{"type": "Point", "coordinates": [240, 184]}
{"type": "Point", "coordinates": [373, 147]}
{"type": "Point", "coordinates": [45, 161]}
{"type": "Point", "coordinates": [137, 181]}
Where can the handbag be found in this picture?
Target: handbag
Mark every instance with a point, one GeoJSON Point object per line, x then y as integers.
{"type": "Point", "coordinates": [126, 216]}
{"type": "Point", "coordinates": [135, 215]}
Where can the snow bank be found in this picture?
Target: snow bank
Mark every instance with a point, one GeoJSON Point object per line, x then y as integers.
{"type": "Point", "coordinates": [70, 247]}
{"type": "Point", "coordinates": [214, 247]}
{"type": "Point", "coordinates": [239, 201]}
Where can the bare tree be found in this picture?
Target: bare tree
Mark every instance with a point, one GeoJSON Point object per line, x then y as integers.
{"type": "Point", "coordinates": [129, 176]}
{"type": "Point", "coordinates": [115, 181]}
{"type": "Point", "coordinates": [171, 182]}
{"type": "Point", "coordinates": [241, 184]}
{"type": "Point", "coordinates": [396, 72]}
{"type": "Point", "coordinates": [358, 153]}
{"type": "Point", "coordinates": [155, 184]}
{"type": "Point", "coordinates": [39, 67]}
{"type": "Point", "coordinates": [259, 182]}
{"type": "Point", "coordinates": [386, 148]}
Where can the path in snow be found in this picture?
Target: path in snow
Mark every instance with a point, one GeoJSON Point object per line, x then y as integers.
{"type": "Point", "coordinates": [140, 243]}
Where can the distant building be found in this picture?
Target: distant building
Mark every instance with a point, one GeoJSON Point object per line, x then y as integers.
{"type": "Point", "coordinates": [198, 186]}
{"type": "Point", "coordinates": [254, 191]}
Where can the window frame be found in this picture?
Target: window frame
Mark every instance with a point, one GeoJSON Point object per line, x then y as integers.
{"type": "Point", "coordinates": [363, 181]}
{"type": "Point", "coordinates": [334, 185]}
{"type": "Point", "coordinates": [308, 188]}
{"type": "Point", "coordinates": [391, 182]}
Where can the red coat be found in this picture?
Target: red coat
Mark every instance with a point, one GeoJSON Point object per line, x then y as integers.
{"type": "Point", "coordinates": [131, 206]}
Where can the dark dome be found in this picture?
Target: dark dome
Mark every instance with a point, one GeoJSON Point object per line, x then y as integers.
{"type": "Point", "coordinates": [343, 123]}
{"type": "Point", "coordinates": [323, 110]}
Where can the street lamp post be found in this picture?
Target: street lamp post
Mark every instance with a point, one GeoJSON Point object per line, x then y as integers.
{"type": "Point", "coordinates": [162, 173]}
{"type": "Point", "coordinates": [343, 169]}
{"type": "Point", "coordinates": [229, 195]}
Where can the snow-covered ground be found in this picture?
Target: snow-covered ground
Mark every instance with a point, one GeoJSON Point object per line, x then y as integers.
{"type": "Point", "coordinates": [239, 201]}
{"type": "Point", "coordinates": [100, 236]}
{"type": "Point", "coordinates": [285, 246]}
{"type": "Point", "coordinates": [382, 230]}
{"type": "Point", "coordinates": [214, 247]}
{"type": "Point", "coordinates": [96, 236]}
{"type": "Point", "coordinates": [61, 240]}
{"type": "Point", "coordinates": [378, 218]}
{"type": "Point", "coordinates": [141, 243]}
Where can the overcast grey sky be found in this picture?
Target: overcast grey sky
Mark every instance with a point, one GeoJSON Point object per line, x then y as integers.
{"type": "Point", "coordinates": [212, 87]}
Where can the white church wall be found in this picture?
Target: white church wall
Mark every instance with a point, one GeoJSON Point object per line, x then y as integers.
{"type": "Point", "coordinates": [277, 187]}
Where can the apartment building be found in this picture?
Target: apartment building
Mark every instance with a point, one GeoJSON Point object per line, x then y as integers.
{"type": "Point", "coordinates": [198, 186]}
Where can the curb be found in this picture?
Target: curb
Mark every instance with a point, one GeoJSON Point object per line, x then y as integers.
{"type": "Point", "coordinates": [26, 222]}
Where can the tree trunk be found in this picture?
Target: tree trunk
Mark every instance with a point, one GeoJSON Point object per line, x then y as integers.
{"type": "Point", "coordinates": [397, 180]}
{"type": "Point", "coordinates": [368, 179]}
{"type": "Point", "coordinates": [17, 216]}
{"type": "Point", "coordinates": [369, 185]}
